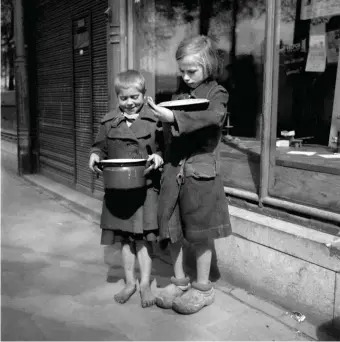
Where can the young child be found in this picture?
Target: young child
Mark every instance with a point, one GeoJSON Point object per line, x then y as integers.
{"type": "Point", "coordinates": [192, 203]}
{"type": "Point", "coordinates": [130, 216]}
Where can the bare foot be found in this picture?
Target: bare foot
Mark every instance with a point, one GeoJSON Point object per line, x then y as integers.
{"type": "Point", "coordinates": [148, 299]}
{"type": "Point", "coordinates": [124, 295]}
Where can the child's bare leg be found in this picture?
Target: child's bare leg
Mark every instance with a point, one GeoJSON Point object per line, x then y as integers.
{"type": "Point", "coordinates": [201, 293]}
{"type": "Point", "coordinates": [203, 262]}
{"type": "Point", "coordinates": [128, 257]}
{"type": "Point", "coordinates": [176, 251]}
{"type": "Point", "coordinates": [143, 249]}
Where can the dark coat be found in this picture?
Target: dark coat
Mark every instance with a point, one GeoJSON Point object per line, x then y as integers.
{"type": "Point", "coordinates": [130, 210]}
{"type": "Point", "coordinates": [192, 150]}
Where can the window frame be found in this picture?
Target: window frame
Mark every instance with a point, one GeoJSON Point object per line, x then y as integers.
{"type": "Point", "coordinates": [268, 140]}
{"type": "Point", "coordinates": [267, 158]}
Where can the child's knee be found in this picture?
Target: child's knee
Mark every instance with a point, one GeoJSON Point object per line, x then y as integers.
{"type": "Point", "coordinates": [141, 244]}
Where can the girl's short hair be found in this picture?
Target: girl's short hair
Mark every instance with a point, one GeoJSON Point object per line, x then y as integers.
{"type": "Point", "coordinates": [204, 51]}
{"type": "Point", "coordinates": [128, 79]}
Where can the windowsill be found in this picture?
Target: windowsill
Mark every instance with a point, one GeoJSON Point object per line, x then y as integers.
{"type": "Point", "coordinates": [250, 148]}
{"type": "Point", "coordinates": [311, 163]}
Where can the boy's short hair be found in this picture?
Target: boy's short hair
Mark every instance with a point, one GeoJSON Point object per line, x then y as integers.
{"type": "Point", "coordinates": [205, 53]}
{"type": "Point", "coordinates": [130, 78]}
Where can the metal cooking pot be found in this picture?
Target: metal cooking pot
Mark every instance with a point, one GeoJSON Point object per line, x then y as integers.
{"type": "Point", "coordinates": [123, 173]}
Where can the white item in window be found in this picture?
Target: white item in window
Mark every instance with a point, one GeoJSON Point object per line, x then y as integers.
{"type": "Point", "coordinates": [335, 123]}
{"type": "Point", "coordinates": [316, 60]}
{"type": "Point", "coordinates": [282, 143]}
{"type": "Point", "coordinates": [304, 153]}
{"type": "Point", "coordinates": [288, 133]}
{"type": "Point", "coordinates": [330, 156]}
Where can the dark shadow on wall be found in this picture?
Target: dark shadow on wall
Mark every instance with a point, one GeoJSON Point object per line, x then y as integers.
{"type": "Point", "coordinates": [329, 331]}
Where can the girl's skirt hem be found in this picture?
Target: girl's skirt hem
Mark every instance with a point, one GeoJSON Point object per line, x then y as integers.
{"type": "Point", "coordinates": [110, 237]}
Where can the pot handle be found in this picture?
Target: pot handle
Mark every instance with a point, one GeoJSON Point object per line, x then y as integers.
{"type": "Point", "coordinates": [98, 167]}
{"type": "Point", "coordinates": [151, 166]}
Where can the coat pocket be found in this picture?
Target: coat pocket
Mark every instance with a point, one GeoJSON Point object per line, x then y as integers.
{"type": "Point", "coordinates": [200, 170]}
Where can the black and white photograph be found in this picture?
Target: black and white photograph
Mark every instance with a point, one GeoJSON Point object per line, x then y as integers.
{"type": "Point", "coordinates": [170, 170]}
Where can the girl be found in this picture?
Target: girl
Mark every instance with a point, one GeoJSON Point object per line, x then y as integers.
{"type": "Point", "coordinates": [129, 216]}
{"type": "Point", "coordinates": [192, 203]}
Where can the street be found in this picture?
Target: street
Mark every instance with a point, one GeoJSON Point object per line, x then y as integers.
{"type": "Point", "coordinates": [54, 283]}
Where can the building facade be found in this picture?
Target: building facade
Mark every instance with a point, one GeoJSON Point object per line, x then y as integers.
{"type": "Point", "coordinates": [280, 66]}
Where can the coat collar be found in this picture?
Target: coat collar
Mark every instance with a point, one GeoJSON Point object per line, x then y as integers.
{"type": "Point", "coordinates": [141, 128]}
{"type": "Point", "coordinates": [202, 91]}
{"type": "Point", "coordinates": [117, 116]}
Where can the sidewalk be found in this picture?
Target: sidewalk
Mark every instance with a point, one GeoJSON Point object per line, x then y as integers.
{"type": "Point", "coordinates": [54, 280]}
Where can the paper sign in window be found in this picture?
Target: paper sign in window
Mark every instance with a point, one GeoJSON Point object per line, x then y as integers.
{"type": "Point", "coordinates": [316, 60]}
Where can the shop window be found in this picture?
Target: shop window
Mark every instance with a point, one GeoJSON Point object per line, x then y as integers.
{"type": "Point", "coordinates": [239, 29]}
{"type": "Point", "coordinates": [308, 123]}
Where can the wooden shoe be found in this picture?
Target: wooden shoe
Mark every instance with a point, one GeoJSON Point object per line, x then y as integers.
{"type": "Point", "coordinates": [168, 294]}
{"type": "Point", "coordinates": [193, 301]}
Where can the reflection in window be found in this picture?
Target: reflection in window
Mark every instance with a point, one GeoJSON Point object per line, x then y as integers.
{"type": "Point", "coordinates": [309, 54]}
{"type": "Point", "coordinates": [238, 27]}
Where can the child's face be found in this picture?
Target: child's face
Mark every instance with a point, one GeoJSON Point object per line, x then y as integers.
{"type": "Point", "coordinates": [130, 100]}
{"type": "Point", "coordinates": [192, 73]}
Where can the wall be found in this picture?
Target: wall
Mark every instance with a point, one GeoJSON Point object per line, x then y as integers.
{"type": "Point", "coordinates": [291, 265]}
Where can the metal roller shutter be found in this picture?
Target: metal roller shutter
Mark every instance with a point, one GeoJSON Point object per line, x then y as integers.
{"type": "Point", "coordinates": [54, 100]}
{"type": "Point", "coordinates": [99, 73]}
{"type": "Point", "coordinates": [71, 85]}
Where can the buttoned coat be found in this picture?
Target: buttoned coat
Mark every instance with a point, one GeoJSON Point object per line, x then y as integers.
{"type": "Point", "coordinates": [130, 210]}
{"type": "Point", "coordinates": [192, 150]}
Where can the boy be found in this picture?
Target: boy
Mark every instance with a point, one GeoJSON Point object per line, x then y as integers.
{"type": "Point", "coordinates": [130, 216]}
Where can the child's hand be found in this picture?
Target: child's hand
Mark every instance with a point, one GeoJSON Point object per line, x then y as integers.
{"type": "Point", "coordinates": [163, 114]}
{"type": "Point", "coordinates": [94, 159]}
{"type": "Point", "coordinates": [156, 162]}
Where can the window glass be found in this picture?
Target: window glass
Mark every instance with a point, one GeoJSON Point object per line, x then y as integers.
{"type": "Point", "coordinates": [307, 109]}
{"type": "Point", "coordinates": [239, 29]}
{"type": "Point", "coordinates": [309, 53]}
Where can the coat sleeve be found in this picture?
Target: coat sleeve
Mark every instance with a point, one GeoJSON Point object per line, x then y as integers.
{"type": "Point", "coordinates": [159, 139]}
{"type": "Point", "coordinates": [187, 122]}
{"type": "Point", "coordinates": [100, 145]}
